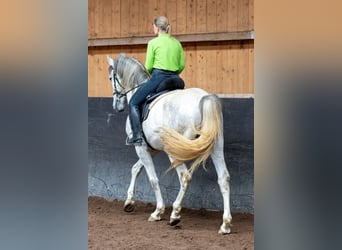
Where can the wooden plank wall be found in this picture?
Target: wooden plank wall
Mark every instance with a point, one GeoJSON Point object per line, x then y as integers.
{"type": "Point", "coordinates": [222, 67]}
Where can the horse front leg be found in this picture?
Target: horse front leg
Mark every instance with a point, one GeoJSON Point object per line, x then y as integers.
{"type": "Point", "coordinates": [146, 159]}
{"type": "Point", "coordinates": [184, 177]}
{"type": "Point", "coordinates": [223, 180]}
{"type": "Point", "coordinates": [129, 203]}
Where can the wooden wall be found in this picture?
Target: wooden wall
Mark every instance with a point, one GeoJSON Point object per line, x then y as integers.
{"type": "Point", "coordinates": [224, 66]}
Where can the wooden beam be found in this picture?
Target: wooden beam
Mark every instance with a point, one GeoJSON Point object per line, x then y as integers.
{"type": "Point", "coordinates": [201, 37]}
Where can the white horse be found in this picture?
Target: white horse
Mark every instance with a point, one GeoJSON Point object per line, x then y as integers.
{"type": "Point", "coordinates": [186, 124]}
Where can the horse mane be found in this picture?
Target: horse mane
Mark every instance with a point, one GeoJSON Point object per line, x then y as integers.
{"type": "Point", "coordinates": [131, 71]}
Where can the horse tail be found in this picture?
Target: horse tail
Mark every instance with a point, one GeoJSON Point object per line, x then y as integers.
{"type": "Point", "coordinates": [182, 149]}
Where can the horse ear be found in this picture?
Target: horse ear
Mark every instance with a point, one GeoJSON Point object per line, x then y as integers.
{"type": "Point", "coordinates": [122, 54]}
{"type": "Point", "coordinates": [110, 60]}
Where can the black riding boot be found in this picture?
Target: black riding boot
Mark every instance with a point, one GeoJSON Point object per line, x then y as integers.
{"type": "Point", "coordinates": [134, 117]}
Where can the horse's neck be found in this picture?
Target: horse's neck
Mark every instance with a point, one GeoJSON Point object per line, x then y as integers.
{"type": "Point", "coordinates": [134, 74]}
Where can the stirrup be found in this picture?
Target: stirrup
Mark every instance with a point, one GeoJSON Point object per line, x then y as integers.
{"type": "Point", "coordinates": [134, 141]}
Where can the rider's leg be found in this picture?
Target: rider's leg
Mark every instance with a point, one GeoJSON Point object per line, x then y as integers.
{"type": "Point", "coordinates": [134, 108]}
{"type": "Point", "coordinates": [134, 118]}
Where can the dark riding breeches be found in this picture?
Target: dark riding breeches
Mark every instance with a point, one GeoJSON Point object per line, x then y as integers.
{"type": "Point", "coordinates": [150, 86]}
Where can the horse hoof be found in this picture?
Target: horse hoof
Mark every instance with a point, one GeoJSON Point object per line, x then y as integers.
{"type": "Point", "coordinates": [224, 231]}
{"type": "Point", "coordinates": [174, 222]}
{"type": "Point", "coordinates": [152, 218]}
{"type": "Point", "coordinates": [129, 208]}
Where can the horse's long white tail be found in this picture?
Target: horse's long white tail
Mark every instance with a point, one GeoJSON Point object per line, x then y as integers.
{"type": "Point", "coordinates": [200, 148]}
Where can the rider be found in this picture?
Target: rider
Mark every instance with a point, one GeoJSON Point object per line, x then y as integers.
{"type": "Point", "coordinates": [164, 59]}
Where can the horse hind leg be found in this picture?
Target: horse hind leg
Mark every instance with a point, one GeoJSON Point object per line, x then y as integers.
{"type": "Point", "coordinates": [223, 180]}
{"type": "Point", "coordinates": [184, 177]}
{"type": "Point", "coordinates": [129, 203]}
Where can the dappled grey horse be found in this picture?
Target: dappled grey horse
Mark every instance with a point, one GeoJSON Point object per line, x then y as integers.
{"type": "Point", "coordinates": [186, 124]}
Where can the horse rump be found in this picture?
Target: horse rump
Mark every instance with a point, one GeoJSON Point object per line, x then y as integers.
{"type": "Point", "coordinates": [182, 149]}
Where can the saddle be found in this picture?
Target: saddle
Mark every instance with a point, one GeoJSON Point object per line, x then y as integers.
{"type": "Point", "coordinates": [172, 83]}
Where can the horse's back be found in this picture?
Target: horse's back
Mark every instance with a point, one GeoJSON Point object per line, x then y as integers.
{"type": "Point", "coordinates": [186, 98]}
{"type": "Point", "coordinates": [178, 103]}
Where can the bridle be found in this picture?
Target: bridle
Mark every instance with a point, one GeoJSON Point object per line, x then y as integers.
{"type": "Point", "coordinates": [116, 92]}
{"type": "Point", "coordinates": [117, 81]}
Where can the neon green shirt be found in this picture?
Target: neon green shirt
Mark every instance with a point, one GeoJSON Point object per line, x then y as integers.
{"type": "Point", "coordinates": [165, 52]}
